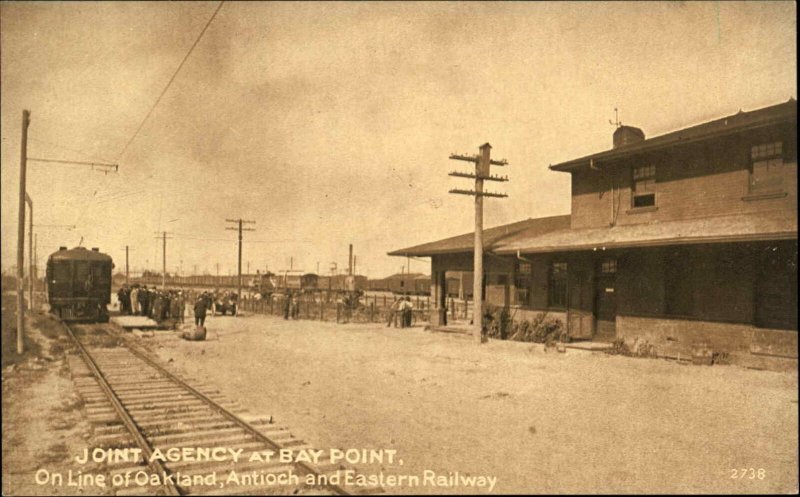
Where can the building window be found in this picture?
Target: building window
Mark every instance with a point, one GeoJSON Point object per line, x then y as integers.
{"type": "Point", "coordinates": [608, 266]}
{"type": "Point", "coordinates": [557, 288]}
{"type": "Point", "coordinates": [766, 167]}
{"type": "Point", "coordinates": [644, 186]}
{"type": "Point", "coordinates": [523, 283]}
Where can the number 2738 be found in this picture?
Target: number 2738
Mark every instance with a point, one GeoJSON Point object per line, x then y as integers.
{"type": "Point", "coordinates": [748, 473]}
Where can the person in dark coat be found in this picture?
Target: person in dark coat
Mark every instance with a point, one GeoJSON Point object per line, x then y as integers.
{"type": "Point", "coordinates": [407, 308]}
{"type": "Point", "coordinates": [144, 300]}
{"type": "Point", "coordinates": [287, 305]}
{"type": "Point", "coordinates": [200, 308]}
{"type": "Point", "coordinates": [121, 299]}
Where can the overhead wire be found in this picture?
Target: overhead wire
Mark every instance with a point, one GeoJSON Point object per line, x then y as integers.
{"type": "Point", "coordinates": [74, 150]}
{"type": "Point", "coordinates": [169, 83]}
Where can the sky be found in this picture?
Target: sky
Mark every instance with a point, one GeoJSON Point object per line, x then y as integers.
{"type": "Point", "coordinates": [331, 123]}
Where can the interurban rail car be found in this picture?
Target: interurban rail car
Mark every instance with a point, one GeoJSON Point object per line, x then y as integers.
{"type": "Point", "coordinates": [79, 284]}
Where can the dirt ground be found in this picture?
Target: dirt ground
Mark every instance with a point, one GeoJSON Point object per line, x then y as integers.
{"type": "Point", "coordinates": [541, 422]}
{"type": "Point", "coordinates": [43, 426]}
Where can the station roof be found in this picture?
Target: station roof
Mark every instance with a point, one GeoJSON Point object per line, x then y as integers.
{"type": "Point", "coordinates": [735, 123]}
{"type": "Point", "coordinates": [491, 237]}
{"type": "Point", "coordinates": [737, 228]}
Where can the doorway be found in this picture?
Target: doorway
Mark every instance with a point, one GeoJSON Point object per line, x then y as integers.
{"type": "Point", "coordinates": [605, 301]}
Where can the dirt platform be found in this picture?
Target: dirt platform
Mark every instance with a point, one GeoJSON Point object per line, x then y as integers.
{"type": "Point", "coordinates": [540, 422]}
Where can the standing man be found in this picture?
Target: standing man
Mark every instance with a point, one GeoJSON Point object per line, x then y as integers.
{"type": "Point", "coordinates": [121, 300]}
{"type": "Point", "coordinates": [407, 308]}
{"type": "Point", "coordinates": [127, 300]}
{"type": "Point", "coordinates": [200, 307]}
{"type": "Point", "coordinates": [179, 307]}
{"type": "Point", "coordinates": [287, 305]}
{"type": "Point", "coordinates": [134, 297]}
{"type": "Point", "coordinates": [142, 296]}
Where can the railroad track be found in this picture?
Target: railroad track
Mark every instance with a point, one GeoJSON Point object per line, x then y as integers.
{"type": "Point", "coordinates": [132, 401]}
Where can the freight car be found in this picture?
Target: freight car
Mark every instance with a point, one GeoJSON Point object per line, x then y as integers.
{"type": "Point", "coordinates": [79, 284]}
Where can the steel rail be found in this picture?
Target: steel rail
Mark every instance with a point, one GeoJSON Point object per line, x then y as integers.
{"type": "Point", "coordinates": [224, 412]}
{"type": "Point", "coordinates": [130, 424]}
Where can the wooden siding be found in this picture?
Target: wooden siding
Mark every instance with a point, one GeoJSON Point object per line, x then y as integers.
{"type": "Point", "coordinates": [692, 181]}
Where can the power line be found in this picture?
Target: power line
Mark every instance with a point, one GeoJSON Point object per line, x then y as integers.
{"type": "Point", "coordinates": [164, 91]}
{"type": "Point", "coordinates": [75, 150]}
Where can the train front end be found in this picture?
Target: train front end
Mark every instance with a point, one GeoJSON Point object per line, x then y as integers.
{"type": "Point", "coordinates": [79, 284]}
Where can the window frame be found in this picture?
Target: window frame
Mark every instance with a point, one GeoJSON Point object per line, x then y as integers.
{"type": "Point", "coordinates": [523, 282]}
{"type": "Point", "coordinates": [557, 284]}
{"type": "Point", "coordinates": [766, 156]}
{"type": "Point", "coordinates": [646, 177]}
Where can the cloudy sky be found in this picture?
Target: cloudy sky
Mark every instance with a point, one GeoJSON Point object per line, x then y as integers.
{"type": "Point", "coordinates": [331, 123]}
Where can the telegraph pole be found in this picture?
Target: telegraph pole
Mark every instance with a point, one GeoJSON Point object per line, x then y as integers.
{"type": "Point", "coordinates": [23, 166]}
{"type": "Point", "coordinates": [127, 274]}
{"type": "Point", "coordinates": [482, 163]}
{"type": "Point", "coordinates": [30, 252]}
{"type": "Point", "coordinates": [163, 258]}
{"type": "Point", "coordinates": [23, 160]}
{"type": "Point", "coordinates": [36, 257]}
{"type": "Point", "coordinates": [240, 221]}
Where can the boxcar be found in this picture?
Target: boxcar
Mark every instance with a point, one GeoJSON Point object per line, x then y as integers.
{"type": "Point", "coordinates": [79, 284]}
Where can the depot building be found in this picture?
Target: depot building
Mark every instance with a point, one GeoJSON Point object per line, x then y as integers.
{"type": "Point", "coordinates": [685, 238]}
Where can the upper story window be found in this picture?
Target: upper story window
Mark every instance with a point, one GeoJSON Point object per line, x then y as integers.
{"type": "Point", "coordinates": [644, 186]}
{"type": "Point", "coordinates": [766, 167]}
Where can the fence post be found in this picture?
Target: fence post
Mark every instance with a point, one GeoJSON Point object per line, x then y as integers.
{"type": "Point", "coordinates": [372, 312]}
{"type": "Point", "coordinates": [338, 311]}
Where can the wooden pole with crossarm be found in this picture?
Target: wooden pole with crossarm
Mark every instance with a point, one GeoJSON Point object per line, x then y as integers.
{"type": "Point", "coordinates": [240, 229]}
{"type": "Point", "coordinates": [483, 163]}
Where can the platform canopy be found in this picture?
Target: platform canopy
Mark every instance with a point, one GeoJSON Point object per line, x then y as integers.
{"type": "Point", "coordinates": [765, 226]}
{"type": "Point", "coordinates": [491, 237]}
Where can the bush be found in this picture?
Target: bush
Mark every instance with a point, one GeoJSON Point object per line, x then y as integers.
{"type": "Point", "coordinates": [542, 329]}
{"type": "Point", "coordinates": [497, 322]}
{"type": "Point", "coordinates": [639, 348]}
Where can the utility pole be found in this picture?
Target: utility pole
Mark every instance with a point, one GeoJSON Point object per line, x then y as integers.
{"type": "Point", "coordinates": [30, 252]}
{"type": "Point", "coordinates": [350, 262]}
{"type": "Point", "coordinates": [240, 221]}
{"type": "Point", "coordinates": [163, 258]}
{"type": "Point", "coordinates": [23, 166]}
{"type": "Point", "coordinates": [483, 163]}
{"type": "Point", "coordinates": [23, 159]}
{"type": "Point", "coordinates": [127, 273]}
{"type": "Point", "coordinates": [36, 257]}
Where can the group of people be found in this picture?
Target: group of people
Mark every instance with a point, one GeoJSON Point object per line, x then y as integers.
{"type": "Point", "coordinates": [291, 306]}
{"type": "Point", "coordinates": [401, 308]}
{"type": "Point", "coordinates": [158, 305]}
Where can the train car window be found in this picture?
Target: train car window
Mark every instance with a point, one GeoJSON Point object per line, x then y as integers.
{"type": "Point", "coordinates": [61, 273]}
{"type": "Point", "coordinates": [100, 273]}
{"type": "Point", "coordinates": [81, 270]}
